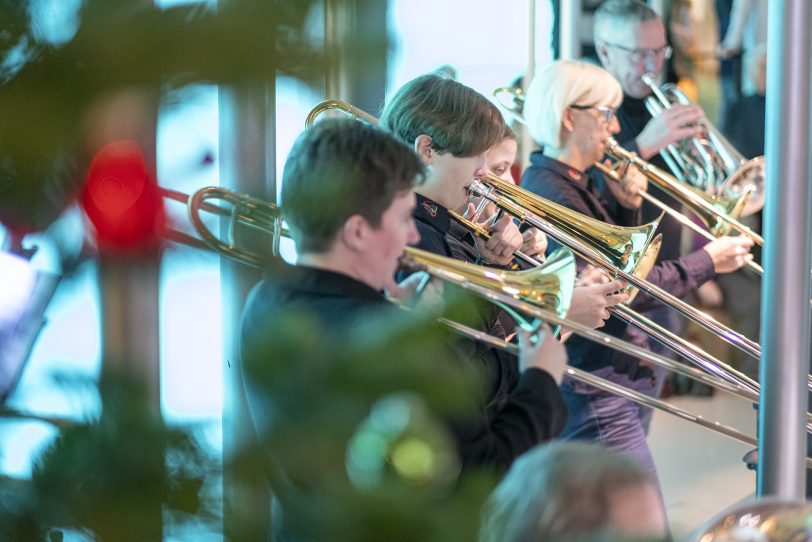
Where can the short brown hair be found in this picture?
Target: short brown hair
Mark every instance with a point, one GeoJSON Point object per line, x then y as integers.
{"type": "Point", "coordinates": [340, 168]}
{"type": "Point", "coordinates": [458, 119]}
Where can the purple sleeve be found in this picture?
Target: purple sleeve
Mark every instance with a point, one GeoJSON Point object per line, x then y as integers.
{"type": "Point", "coordinates": [677, 277]}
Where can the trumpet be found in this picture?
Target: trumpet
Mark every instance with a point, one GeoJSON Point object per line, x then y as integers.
{"type": "Point", "coordinates": [709, 162]}
{"type": "Point", "coordinates": [518, 291]}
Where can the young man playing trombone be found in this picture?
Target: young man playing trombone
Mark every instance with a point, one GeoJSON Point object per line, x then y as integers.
{"type": "Point", "coordinates": [451, 127]}
{"type": "Point", "coordinates": [347, 195]}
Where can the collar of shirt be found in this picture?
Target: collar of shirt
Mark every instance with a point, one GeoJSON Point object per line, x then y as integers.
{"type": "Point", "coordinates": [326, 283]}
{"type": "Point", "coordinates": [581, 179]}
{"type": "Point", "coordinates": [582, 182]}
{"type": "Point", "coordinates": [432, 213]}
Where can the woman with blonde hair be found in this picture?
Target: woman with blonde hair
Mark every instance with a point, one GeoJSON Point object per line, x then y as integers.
{"type": "Point", "coordinates": [570, 111]}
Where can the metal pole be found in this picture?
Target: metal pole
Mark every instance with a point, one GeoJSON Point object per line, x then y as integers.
{"type": "Point", "coordinates": [247, 164]}
{"type": "Point", "coordinates": [785, 309]}
{"type": "Point", "coordinates": [526, 143]}
{"type": "Point", "coordinates": [570, 29]}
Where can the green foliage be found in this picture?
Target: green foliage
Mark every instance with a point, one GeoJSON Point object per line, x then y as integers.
{"type": "Point", "coordinates": [316, 392]}
{"type": "Point", "coordinates": [113, 478]}
{"type": "Point", "coordinates": [47, 91]}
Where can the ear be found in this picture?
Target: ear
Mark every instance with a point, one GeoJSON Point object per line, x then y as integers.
{"type": "Point", "coordinates": [354, 233]}
{"type": "Point", "coordinates": [567, 122]}
{"type": "Point", "coordinates": [603, 53]}
{"type": "Point", "coordinates": [422, 146]}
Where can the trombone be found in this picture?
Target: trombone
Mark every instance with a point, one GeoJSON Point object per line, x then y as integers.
{"type": "Point", "coordinates": [591, 244]}
{"type": "Point", "coordinates": [717, 213]}
{"type": "Point", "coordinates": [619, 153]}
{"type": "Point", "coordinates": [557, 284]}
{"type": "Point", "coordinates": [746, 387]}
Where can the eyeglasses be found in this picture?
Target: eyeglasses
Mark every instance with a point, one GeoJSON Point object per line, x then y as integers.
{"type": "Point", "coordinates": [608, 112]}
{"type": "Point", "coordinates": [637, 55]}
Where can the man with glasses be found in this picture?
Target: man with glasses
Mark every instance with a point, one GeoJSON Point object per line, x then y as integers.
{"type": "Point", "coordinates": [630, 39]}
{"type": "Point", "coordinates": [644, 50]}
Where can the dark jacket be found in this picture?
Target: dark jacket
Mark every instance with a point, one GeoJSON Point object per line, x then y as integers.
{"type": "Point", "coordinates": [633, 117]}
{"type": "Point", "coordinates": [500, 372]}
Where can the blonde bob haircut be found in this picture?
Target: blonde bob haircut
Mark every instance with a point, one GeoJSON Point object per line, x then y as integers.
{"type": "Point", "coordinates": [560, 85]}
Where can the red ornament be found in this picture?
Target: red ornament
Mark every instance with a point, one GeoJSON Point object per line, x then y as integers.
{"type": "Point", "coordinates": [122, 200]}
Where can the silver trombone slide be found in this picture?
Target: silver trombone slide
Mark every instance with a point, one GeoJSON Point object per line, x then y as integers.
{"type": "Point", "coordinates": [574, 372]}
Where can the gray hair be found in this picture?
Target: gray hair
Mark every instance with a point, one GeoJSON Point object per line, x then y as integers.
{"type": "Point", "coordinates": [560, 85]}
{"type": "Point", "coordinates": [558, 490]}
{"type": "Point", "coordinates": [613, 15]}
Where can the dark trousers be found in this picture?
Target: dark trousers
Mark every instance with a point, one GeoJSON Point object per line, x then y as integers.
{"type": "Point", "coordinates": [608, 418]}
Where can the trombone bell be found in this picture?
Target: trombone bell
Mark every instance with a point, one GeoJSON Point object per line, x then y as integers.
{"type": "Point", "coordinates": [548, 286]}
{"type": "Point", "coordinates": [623, 247]}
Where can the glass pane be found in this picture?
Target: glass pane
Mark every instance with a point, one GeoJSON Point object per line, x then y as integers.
{"type": "Point", "coordinates": [487, 47]}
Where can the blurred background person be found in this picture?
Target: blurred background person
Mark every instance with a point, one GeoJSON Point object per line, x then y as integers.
{"type": "Point", "coordinates": [693, 31]}
{"type": "Point", "coordinates": [746, 34]}
{"type": "Point", "coordinates": [574, 491]}
{"type": "Point", "coordinates": [744, 127]}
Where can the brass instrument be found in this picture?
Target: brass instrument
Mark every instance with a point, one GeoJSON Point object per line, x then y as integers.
{"type": "Point", "coordinates": [246, 210]}
{"type": "Point", "coordinates": [520, 291]}
{"type": "Point", "coordinates": [479, 231]}
{"type": "Point", "coordinates": [719, 213]}
{"type": "Point", "coordinates": [343, 107]}
{"type": "Point", "coordinates": [615, 249]}
{"type": "Point", "coordinates": [591, 244]}
{"type": "Point", "coordinates": [548, 286]}
{"type": "Point", "coordinates": [769, 519]}
{"type": "Point", "coordinates": [709, 162]}
{"type": "Point", "coordinates": [616, 175]}
{"type": "Point", "coordinates": [745, 386]}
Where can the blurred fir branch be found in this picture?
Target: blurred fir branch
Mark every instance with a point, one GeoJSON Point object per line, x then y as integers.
{"type": "Point", "coordinates": [112, 478]}
{"type": "Point", "coordinates": [349, 433]}
{"type": "Point", "coordinates": [46, 89]}
{"type": "Point", "coordinates": [344, 465]}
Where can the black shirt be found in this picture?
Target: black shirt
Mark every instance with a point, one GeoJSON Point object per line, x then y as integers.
{"type": "Point", "coordinates": [633, 118]}
{"type": "Point", "coordinates": [493, 435]}
{"type": "Point", "coordinates": [439, 234]}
